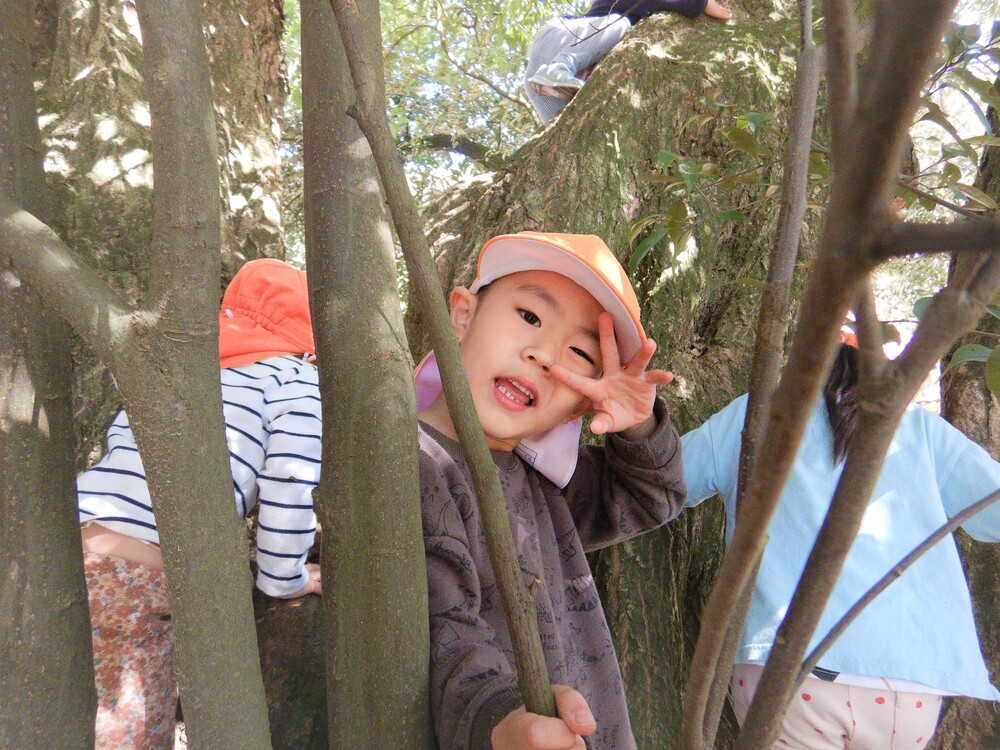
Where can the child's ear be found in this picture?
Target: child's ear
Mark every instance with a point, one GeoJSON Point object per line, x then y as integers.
{"type": "Point", "coordinates": [463, 308]}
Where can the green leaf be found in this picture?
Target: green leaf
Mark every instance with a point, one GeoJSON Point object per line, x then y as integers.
{"type": "Point", "coordinates": [920, 306]}
{"type": "Point", "coordinates": [690, 172]}
{"type": "Point", "coordinates": [993, 371]}
{"type": "Point", "coordinates": [666, 158]}
{"type": "Point", "coordinates": [819, 166]}
{"type": "Point", "coordinates": [752, 119]}
{"type": "Point", "coordinates": [978, 196]}
{"type": "Point", "coordinates": [731, 216]}
{"type": "Point", "coordinates": [993, 310]}
{"type": "Point", "coordinates": [890, 334]}
{"type": "Point", "coordinates": [969, 353]}
{"type": "Point", "coordinates": [640, 225]}
{"type": "Point", "coordinates": [747, 281]}
{"type": "Point", "coordinates": [742, 140]}
{"type": "Point", "coordinates": [645, 246]}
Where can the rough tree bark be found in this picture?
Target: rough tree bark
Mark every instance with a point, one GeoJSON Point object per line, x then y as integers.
{"type": "Point", "coordinates": [46, 673]}
{"type": "Point", "coordinates": [375, 587]}
{"type": "Point", "coordinates": [94, 115]}
{"type": "Point", "coordinates": [165, 359]}
{"type": "Point", "coordinates": [587, 172]}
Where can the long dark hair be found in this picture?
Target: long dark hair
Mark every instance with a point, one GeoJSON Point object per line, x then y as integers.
{"type": "Point", "coordinates": [841, 396]}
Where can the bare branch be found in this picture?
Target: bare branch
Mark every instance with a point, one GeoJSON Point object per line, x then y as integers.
{"type": "Point", "coordinates": [851, 615]}
{"type": "Point", "coordinates": [369, 112]}
{"type": "Point", "coordinates": [889, 92]}
{"type": "Point", "coordinates": [707, 687]}
{"type": "Point", "coordinates": [97, 313]}
{"type": "Point", "coordinates": [483, 79]}
{"type": "Point", "coordinates": [950, 314]}
{"type": "Point", "coordinates": [908, 238]}
{"type": "Point", "coordinates": [456, 144]}
{"type": "Point", "coordinates": [841, 70]}
{"type": "Point", "coordinates": [872, 358]}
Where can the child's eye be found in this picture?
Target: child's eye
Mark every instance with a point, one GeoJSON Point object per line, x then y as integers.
{"type": "Point", "coordinates": [529, 317]}
{"type": "Point", "coordinates": [582, 353]}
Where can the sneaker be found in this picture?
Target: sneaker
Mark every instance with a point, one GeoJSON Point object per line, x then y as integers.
{"type": "Point", "coordinates": [556, 80]}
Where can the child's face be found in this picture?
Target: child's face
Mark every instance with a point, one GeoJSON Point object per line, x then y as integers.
{"type": "Point", "coordinates": [509, 337]}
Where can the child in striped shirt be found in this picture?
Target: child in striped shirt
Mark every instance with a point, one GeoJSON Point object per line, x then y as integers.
{"type": "Point", "coordinates": [273, 425]}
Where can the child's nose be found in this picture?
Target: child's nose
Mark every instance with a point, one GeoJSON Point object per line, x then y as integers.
{"type": "Point", "coordinates": [539, 356]}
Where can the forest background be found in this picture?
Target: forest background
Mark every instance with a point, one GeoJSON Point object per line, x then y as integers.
{"type": "Point", "coordinates": [672, 153]}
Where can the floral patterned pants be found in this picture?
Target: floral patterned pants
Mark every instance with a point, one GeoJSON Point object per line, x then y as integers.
{"type": "Point", "coordinates": [133, 654]}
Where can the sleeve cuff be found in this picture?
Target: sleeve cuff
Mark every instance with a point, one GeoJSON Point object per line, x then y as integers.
{"type": "Point", "coordinates": [491, 713]}
{"type": "Point", "coordinates": [651, 452]}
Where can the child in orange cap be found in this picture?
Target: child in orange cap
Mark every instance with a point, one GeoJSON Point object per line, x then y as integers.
{"type": "Point", "coordinates": [273, 424]}
{"type": "Point", "coordinates": [549, 331]}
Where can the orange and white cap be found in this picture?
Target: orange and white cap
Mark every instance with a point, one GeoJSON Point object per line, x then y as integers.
{"type": "Point", "coordinates": [584, 259]}
{"type": "Point", "coordinates": [265, 313]}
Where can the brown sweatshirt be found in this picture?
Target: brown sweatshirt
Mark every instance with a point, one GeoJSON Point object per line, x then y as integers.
{"type": "Point", "coordinates": [618, 491]}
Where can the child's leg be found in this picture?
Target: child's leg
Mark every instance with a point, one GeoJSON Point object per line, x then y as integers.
{"type": "Point", "coordinates": [576, 43]}
{"type": "Point", "coordinates": [133, 654]}
{"type": "Point", "coordinates": [590, 40]}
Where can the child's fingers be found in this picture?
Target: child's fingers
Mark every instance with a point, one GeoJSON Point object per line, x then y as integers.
{"type": "Point", "coordinates": [641, 359]}
{"type": "Point", "coordinates": [659, 376]}
{"type": "Point", "coordinates": [600, 423]}
{"type": "Point", "coordinates": [573, 709]}
{"type": "Point", "coordinates": [586, 387]}
{"type": "Point", "coordinates": [714, 10]}
{"type": "Point", "coordinates": [609, 345]}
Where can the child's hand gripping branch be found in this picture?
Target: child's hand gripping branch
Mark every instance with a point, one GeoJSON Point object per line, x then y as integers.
{"type": "Point", "coordinates": [622, 398]}
{"type": "Point", "coordinates": [520, 730]}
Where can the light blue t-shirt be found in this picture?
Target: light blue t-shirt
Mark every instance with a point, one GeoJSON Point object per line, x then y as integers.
{"type": "Point", "coordinates": [921, 627]}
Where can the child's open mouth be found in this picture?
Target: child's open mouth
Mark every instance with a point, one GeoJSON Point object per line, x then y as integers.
{"type": "Point", "coordinates": [514, 391]}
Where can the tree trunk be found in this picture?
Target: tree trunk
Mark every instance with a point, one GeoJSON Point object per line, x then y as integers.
{"type": "Point", "coordinates": [46, 664]}
{"type": "Point", "coordinates": [588, 172]}
{"type": "Point", "coordinates": [966, 402]}
{"type": "Point", "coordinates": [94, 115]}
{"type": "Point", "coordinates": [369, 501]}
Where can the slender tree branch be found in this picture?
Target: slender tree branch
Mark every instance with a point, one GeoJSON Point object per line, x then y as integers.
{"type": "Point", "coordinates": [907, 238]}
{"type": "Point", "coordinates": [910, 185]}
{"type": "Point", "coordinates": [906, 36]}
{"type": "Point", "coordinates": [883, 583]}
{"type": "Point", "coordinates": [456, 144]}
{"type": "Point", "coordinates": [518, 604]}
{"type": "Point", "coordinates": [483, 79]}
{"type": "Point", "coordinates": [841, 73]}
{"type": "Point", "coordinates": [706, 689]}
{"type": "Point", "coordinates": [869, 330]}
{"type": "Point", "coordinates": [98, 314]}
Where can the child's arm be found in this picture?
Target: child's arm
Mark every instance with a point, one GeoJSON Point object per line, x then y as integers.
{"type": "Point", "coordinates": [286, 524]}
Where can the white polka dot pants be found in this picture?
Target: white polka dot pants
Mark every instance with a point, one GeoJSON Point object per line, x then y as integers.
{"type": "Point", "coordinates": [832, 716]}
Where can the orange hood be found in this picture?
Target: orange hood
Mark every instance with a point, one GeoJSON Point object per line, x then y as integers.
{"type": "Point", "coordinates": [265, 313]}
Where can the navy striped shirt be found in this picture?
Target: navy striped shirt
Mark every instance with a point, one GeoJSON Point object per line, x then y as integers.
{"type": "Point", "coordinates": [273, 428]}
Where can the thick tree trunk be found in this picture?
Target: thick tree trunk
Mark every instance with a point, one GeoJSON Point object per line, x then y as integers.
{"type": "Point", "coordinates": [94, 114]}
{"type": "Point", "coordinates": [46, 672]}
{"type": "Point", "coordinates": [164, 356]}
{"type": "Point", "coordinates": [374, 581]}
{"type": "Point", "coordinates": [588, 172]}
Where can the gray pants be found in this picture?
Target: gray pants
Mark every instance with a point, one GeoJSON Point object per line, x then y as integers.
{"type": "Point", "coordinates": [577, 43]}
